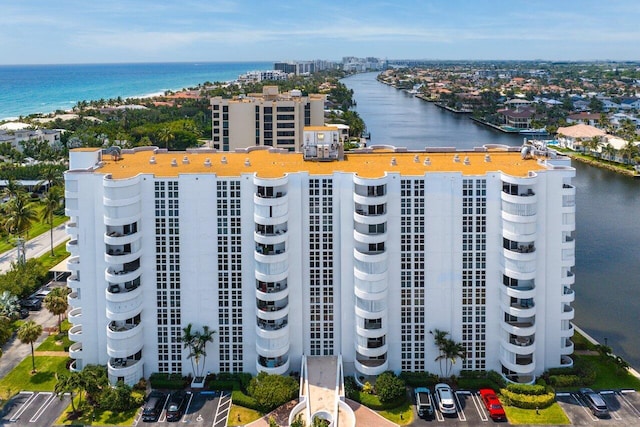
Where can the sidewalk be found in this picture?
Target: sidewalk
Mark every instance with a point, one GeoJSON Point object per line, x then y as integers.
{"type": "Point", "coordinates": [13, 351]}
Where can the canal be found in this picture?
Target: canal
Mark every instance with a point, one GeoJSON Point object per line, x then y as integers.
{"type": "Point", "coordinates": [607, 227]}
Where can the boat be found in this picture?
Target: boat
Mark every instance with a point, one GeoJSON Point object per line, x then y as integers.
{"type": "Point", "coordinates": [539, 131]}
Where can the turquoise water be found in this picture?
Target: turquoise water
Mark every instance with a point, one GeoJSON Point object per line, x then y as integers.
{"type": "Point", "coordinates": [27, 89]}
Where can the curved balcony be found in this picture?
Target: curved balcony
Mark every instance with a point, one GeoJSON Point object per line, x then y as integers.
{"type": "Point", "coordinates": [370, 200]}
{"type": "Point", "coordinates": [271, 257]}
{"type": "Point", "coordinates": [75, 350]}
{"type": "Point", "coordinates": [120, 311]}
{"type": "Point", "coordinates": [109, 182]}
{"type": "Point", "coordinates": [117, 239]}
{"type": "Point", "coordinates": [272, 312]}
{"type": "Point", "coordinates": [121, 276]}
{"type": "Point", "coordinates": [69, 194]}
{"type": "Point", "coordinates": [272, 331]}
{"type": "Point", "coordinates": [122, 367]}
{"type": "Point", "coordinates": [371, 257]}
{"type": "Point", "coordinates": [362, 217]}
{"type": "Point", "coordinates": [279, 198]}
{"type": "Point", "coordinates": [118, 293]}
{"type": "Point", "coordinates": [369, 238]}
{"type": "Point", "coordinates": [523, 329]}
{"type": "Point", "coordinates": [75, 316]}
{"type": "Point", "coordinates": [381, 350]}
{"type": "Point", "coordinates": [275, 238]}
{"type": "Point", "coordinates": [121, 202]}
{"type": "Point", "coordinates": [568, 295]}
{"type": "Point", "coordinates": [370, 366]}
{"type": "Point", "coordinates": [73, 263]}
{"type": "Point", "coordinates": [520, 254]}
{"type": "Point", "coordinates": [567, 333]}
{"type": "Point", "coordinates": [75, 333]}
{"type": "Point", "coordinates": [73, 281]}
{"type": "Point", "coordinates": [519, 345]}
{"type": "Point", "coordinates": [123, 331]}
{"type": "Point", "coordinates": [274, 183]}
{"type": "Point", "coordinates": [121, 220]}
{"type": "Point", "coordinates": [119, 256]}
{"type": "Point", "coordinates": [530, 179]}
{"type": "Point", "coordinates": [272, 294]}
{"type": "Point", "coordinates": [519, 309]}
{"type": "Point", "coordinates": [523, 198]}
{"type": "Point", "coordinates": [369, 182]}
{"type": "Point", "coordinates": [523, 364]}
{"type": "Point", "coordinates": [520, 269]}
{"type": "Point", "coordinates": [567, 347]}
{"type": "Point", "coordinates": [371, 296]}
{"type": "Point", "coordinates": [520, 292]}
{"type": "Point", "coordinates": [277, 218]}
{"type": "Point", "coordinates": [73, 300]}
{"type": "Point", "coordinates": [274, 366]}
{"type": "Point", "coordinates": [371, 332]}
{"type": "Point", "coordinates": [75, 366]}
{"type": "Point", "coordinates": [566, 362]}
{"type": "Point", "coordinates": [568, 312]}
{"type": "Point", "coordinates": [568, 190]}
{"type": "Point", "coordinates": [71, 228]}
{"type": "Point", "coordinates": [272, 350]}
{"type": "Point", "coordinates": [365, 314]}
{"type": "Point", "coordinates": [72, 247]}
{"type": "Point", "coordinates": [569, 279]}
{"type": "Point", "coordinates": [271, 273]}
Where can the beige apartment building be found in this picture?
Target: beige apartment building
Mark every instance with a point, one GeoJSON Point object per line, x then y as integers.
{"type": "Point", "coordinates": [269, 118]}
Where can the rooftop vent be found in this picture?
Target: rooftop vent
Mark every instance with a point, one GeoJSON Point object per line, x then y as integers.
{"type": "Point", "coordinates": [466, 160]}
{"type": "Point", "coordinates": [207, 162]}
{"type": "Point", "coordinates": [427, 161]}
{"type": "Point", "coordinates": [487, 158]}
{"type": "Point", "coordinates": [456, 158]}
{"type": "Point", "coordinates": [223, 160]}
{"type": "Point", "coordinates": [174, 162]}
{"type": "Point", "coordinates": [393, 161]}
{"type": "Point", "coordinates": [185, 160]}
{"type": "Point", "coordinates": [152, 160]}
{"type": "Point", "coordinates": [247, 162]}
{"type": "Point", "coordinates": [416, 158]}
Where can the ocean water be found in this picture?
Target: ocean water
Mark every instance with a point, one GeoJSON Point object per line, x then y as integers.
{"type": "Point", "coordinates": [28, 89]}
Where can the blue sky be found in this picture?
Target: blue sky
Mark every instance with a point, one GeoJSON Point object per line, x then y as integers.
{"type": "Point", "coordinates": [90, 31]}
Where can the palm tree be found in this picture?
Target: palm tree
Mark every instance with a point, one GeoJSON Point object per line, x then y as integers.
{"type": "Point", "coordinates": [12, 189]}
{"type": "Point", "coordinates": [50, 204]}
{"type": "Point", "coordinates": [9, 305]}
{"type": "Point", "coordinates": [67, 384]}
{"type": "Point", "coordinates": [439, 338]}
{"type": "Point", "coordinates": [28, 333]}
{"type": "Point", "coordinates": [51, 176]}
{"type": "Point", "coordinates": [196, 343]}
{"type": "Point", "coordinates": [56, 303]}
{"type": "Point", "coordinates": [20, 215]}
{"type": "Point", "coordinates": [165, 135]}
{"type": "Point", "coordinates": [609, 150]}
{"type": "Point", "coordinates": [452, 351]}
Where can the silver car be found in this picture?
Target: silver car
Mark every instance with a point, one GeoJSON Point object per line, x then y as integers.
{"type": "Point", "coordinates": [445, 399]}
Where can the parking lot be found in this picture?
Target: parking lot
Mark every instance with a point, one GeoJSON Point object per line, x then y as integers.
{"type": "Point", "coordinates": [624, 408]}
{"type": "Point", "coordinates": [470, 411]}
{"type": "Point", "coordinates": [33, 409]}
{"type": "Point", "coordinates": [204, 408]}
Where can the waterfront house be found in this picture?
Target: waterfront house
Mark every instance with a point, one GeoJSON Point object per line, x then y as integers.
{"type": "Point", "coordinates": [573, 137]}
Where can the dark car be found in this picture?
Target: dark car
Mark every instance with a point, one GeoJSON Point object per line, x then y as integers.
{"type": "Point", "coordinates": [24, 313]}
{"type": "Point", "coordinates": [595, 402]}
{"type": "Point", "coordinates": [153, 406]}
{"type": "Point", "coordinates": [32, 304]}
{"type": "Point", "coordinates": [176, 405]}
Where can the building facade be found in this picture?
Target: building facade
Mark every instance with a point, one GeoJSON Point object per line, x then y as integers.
{"type": "Point", "coordinates": [269, 119]}
{"type": "Point", "coordinates": [320, 253]}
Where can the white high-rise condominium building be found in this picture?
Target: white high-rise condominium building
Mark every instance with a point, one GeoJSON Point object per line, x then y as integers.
{"type": "Point", "coordinates": [270, 119]}
{"type": "Point", "coordinates": [319, 253]}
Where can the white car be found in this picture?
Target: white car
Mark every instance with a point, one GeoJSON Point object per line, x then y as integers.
{"type": "Point", "coordinates": [445, 399]}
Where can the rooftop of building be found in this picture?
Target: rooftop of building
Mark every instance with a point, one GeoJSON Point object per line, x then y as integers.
{"type": "Point", "coordinates": [273, 163]}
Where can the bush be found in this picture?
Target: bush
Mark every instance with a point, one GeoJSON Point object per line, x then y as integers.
{"type": "Point", "coordinates": [271, 391]}
{"type": "Point", "coordinates": [141, 385]}
{"type": "Point", "coordinates": [527, 401]}
{"type": "Point", "coordinates": [389, 387]}
{"type": "Point", "coordinates": [497, 378]}
{"type": "Point", "coordinates": [419, 379]}
{"type": "Point", "coordinates": [527, 389]}
{"type": "Point", "coordinates": [169, 381]}
{"type": "Point", "coordinates": [241, 399]}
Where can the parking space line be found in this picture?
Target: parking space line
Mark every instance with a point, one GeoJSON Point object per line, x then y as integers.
{"type": "Point", "coordinates": [439, 416]}
{"type": "Point", "coordinates": [24, 406]}
{"type": "Point", "coordinates": [225, 399]}
{"type": "Point", "coordinates": [614, 413]}
{"type": "Point", "coordinates": [479, 407]}
{"type": "Point", "coordinates": [461, 415]}
{"type": "Point", "coordinates": [186, 410]}
{"type": "Point", "coordinates": [635, 410]}
{"type": "Point", "coordinates": [43, 407]}
{"type": "Point", "coordinates": [163, 415]}
{"type": "Point", "coordinates": [584, 408]}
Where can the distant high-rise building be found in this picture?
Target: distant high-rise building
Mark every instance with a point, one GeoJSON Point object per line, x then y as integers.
{"type": "Point", "coordinates": [320, 253]}
{"type": "Point", "coordinates": [270, 118]}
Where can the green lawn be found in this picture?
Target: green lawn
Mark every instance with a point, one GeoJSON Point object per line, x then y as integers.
{"type": "Point", "coordinates": [102, 418]}
{"type": "Point", "coordinates": [610, 376]}
{"type": "Point", "coordinates": [37, 228]}
{"type": "Point", "coordinates": [402, 415]}
{"type": "Point", "coordinates": [20, 378]}
{"type": "Point", "coordinates": [59, 253]}
{"type": "Point", "coordinates": [57, 342]}
{"type": "Point", "coordinates": [553, 415]}
{"type": "Point", "coordinates": [240, 416]}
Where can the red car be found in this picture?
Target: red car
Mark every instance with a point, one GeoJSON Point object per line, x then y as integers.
{"type": "Point", "coordinates": [492, 403]}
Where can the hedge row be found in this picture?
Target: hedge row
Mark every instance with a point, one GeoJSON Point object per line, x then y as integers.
{"type": "Point", "coordinates": [372, 401]}
{"type": "Point", "coordinates": [168, 381]}
{"type": "Point", "coordinates": [419, 379]}
{"type": "Point", "coordinates": [241, 399]}
{"type": "Point", "coordinates": [525, 401]}
{"type": "Point", "coordinates": [527, 389]}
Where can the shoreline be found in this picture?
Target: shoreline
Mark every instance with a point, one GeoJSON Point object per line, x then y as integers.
{"type": "Point", "coordinates": [593, 341]}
